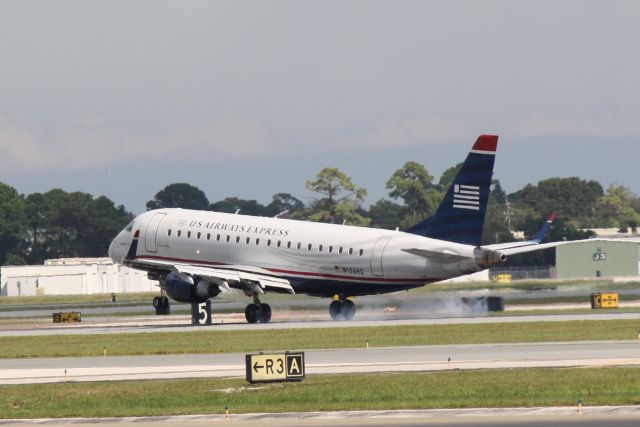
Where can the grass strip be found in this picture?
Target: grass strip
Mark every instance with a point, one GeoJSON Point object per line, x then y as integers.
{"type": "Point", "coordinates": [450, 389]}
{"type": "Point", "coordinates": [217, 341]}
{"type": "Point", "coordinates": [145, 297]}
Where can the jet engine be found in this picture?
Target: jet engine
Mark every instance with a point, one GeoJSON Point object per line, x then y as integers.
{"type": "Point", "coordinates": [184, 288]}
{"type": "Point", "coordinates": [485, 258]}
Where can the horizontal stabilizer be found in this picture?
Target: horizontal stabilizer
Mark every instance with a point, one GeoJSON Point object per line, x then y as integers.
{"type": "Point", "coordinates": [439, 256]}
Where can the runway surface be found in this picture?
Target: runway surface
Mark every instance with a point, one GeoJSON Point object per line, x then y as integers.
{"type": "Point", "coordinates": [601, 416]}
{"type": "Point", "coordinates": [362, 360]}
{"type": "Point", "coordinates": [178, 323]}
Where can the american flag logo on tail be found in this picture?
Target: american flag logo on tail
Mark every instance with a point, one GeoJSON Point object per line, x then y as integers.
{"type": "Point", "coordinates": [466, 197]}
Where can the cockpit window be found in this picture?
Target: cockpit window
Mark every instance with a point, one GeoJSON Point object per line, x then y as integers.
{"type": "Point", "coordinates": [129, 227]}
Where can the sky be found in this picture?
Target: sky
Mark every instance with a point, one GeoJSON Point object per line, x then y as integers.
{"type": "Point", "coordinates": [253, 98]}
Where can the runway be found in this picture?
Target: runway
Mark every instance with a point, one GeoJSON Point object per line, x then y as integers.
{"type": "Point", "coordinates": [181, 323]}
{"type": "Point", "coordinates": [361, 360]}
{"type": "Point", "coordinates": [597, 416]}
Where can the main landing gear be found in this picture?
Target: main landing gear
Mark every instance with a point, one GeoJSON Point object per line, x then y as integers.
{"type": "Point", "coordinates": [342, 309]}
{"type": "Point", "coordinates": [257, 312]}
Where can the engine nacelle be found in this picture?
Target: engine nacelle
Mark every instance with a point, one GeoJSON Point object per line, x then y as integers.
{"type": "Point", "coordinates": [485, 258]}
{"type": "Point", "coordinates": [184, 288]}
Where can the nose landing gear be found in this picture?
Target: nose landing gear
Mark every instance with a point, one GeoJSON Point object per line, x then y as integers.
{"type": "Point", "coordinates": [342, 309]}
{"type": "Point", "coordinates": [161, 304]}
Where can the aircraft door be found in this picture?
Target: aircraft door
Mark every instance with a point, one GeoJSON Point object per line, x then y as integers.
{"type": "Point", "coordinates": [150, 236]}
{"type": "Point", "coordinates": [376, 256]}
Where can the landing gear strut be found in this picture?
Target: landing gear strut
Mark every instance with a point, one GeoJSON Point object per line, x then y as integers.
{"type": "Point", "coordinates": [342, 309]}
{"type": "Point", "coordinates": [257, 312]}
{"type": "Point", "coordinates": [161, 304]}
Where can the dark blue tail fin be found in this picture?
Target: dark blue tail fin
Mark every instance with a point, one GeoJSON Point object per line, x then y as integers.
{"type": "Point", "coordinates": [460, 216]}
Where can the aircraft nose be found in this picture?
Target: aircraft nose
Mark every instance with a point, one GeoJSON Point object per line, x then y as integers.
{"type": "Point", "coordinates": [112, 250]}
{"type": "Point", "coordinates": [115, 254]}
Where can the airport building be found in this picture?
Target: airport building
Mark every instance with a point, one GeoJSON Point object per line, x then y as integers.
{"type": "Point", "coordinates": [598, 259]}
{"type": "Point", "coordinates": [73, 276]}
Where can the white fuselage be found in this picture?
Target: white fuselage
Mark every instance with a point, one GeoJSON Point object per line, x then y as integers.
{"type": "Point", "coordinates": [317, 258]}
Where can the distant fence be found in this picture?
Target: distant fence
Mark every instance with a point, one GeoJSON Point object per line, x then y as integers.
{"type": "Point", "coordinates": [523, 273]}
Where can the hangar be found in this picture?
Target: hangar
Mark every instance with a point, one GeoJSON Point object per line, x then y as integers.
{"type": "Point", "coordinates": [73, 276]}
{"type": "Point", "coordinates": [598, 259]}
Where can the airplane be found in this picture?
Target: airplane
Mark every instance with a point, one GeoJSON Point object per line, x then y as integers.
{"type": "Point", "coordinates": [196, 255]}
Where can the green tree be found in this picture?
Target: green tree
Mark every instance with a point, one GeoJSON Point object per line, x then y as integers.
{"type": "Point", "coordinates": [246, 207]}
{"type": "Point", "coordinates": [448, 176]}
{"type": "Point", "coordinates": [616, 209]}
{"type": "Point", "coordinates": [13, 224]}
{"type": "Point", "coordinates": [573, 199]}
{"type": "Point", "coordinates": [341, 201]}
{"type": "Point", "coordinates": [496, 222]}
{"type": "Point", "coordinates": [106, 220]}
{"type": "Point", "coordinates": [386, 214]}
{"type": "Point", "coordinates": [413, 184]}
{"type": "Point", "coordinates": [282, 202]}
{"type": "Point", "coordinates": [63, 224]}
{"type": "Point", "coordinates": [180, 195]}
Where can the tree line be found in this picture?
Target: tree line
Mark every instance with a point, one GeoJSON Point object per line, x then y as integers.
{"type": "Point", "coordinates": [58, 224]}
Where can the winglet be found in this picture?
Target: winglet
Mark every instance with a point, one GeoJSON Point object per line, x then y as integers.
{"type": "Point", "coordinates": [545, 228]}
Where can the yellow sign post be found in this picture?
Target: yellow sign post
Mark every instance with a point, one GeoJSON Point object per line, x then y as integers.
{"type": "Point", "coordinates": [275, 367]}
{"type": "Point", "coordinates": [605, 300]}
{"type": "Point", "coordinates": [68, 317]}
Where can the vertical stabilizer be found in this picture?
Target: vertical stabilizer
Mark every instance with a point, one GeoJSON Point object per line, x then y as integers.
{"type": "Point", "coordinates": [460, 216]}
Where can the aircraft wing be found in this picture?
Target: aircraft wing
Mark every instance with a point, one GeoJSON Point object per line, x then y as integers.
{"type": "Point", "coordinates": [241, 277]}
{"type": "Point", "coordinates": [502, 247]}
{"type": "Point", "coordinates": [538, 247]}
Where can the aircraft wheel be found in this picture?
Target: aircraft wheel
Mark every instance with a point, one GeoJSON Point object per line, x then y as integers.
{"type": "Point", "coordinates": [156, 302]}
{"type": "Point", "coordinates": [335, 310]}
{"type": "Point", "coordinates": [265, 313]}
{"type": "Point", "coordinates": [348, 309]}
{"type": "Point", "coordinates": [251, 313]}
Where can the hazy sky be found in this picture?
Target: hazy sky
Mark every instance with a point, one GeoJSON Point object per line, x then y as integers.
{"type": "Point", "coordinates": [251, 98]}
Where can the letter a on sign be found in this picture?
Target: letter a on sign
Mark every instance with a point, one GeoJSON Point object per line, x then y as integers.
{"type": "Point", "coordinates": [295, 365]}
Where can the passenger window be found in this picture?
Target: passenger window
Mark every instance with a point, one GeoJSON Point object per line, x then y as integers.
{"type": "Point", "coordinates": [340, 250]}
{"type": "Point", "coordinates": [330, 249]}
{"type": "Point", "coordinates": [218, 237]}
{"type": "Point", "coordinates": [361, 252]}
{"type": "Point", "coordinates": [228, 237]}
{"type": "Point", "coordinates": [299, 245]}
{"type": "Point", "coordinates": [208, 236]}
{"type": "Point", "coordinates": [199, 234]}
{"type": "Point", "coordinates": [237, 239]}
{"type": "Point", "coordinates": [288, 245]}
{"type": "Point", "coordinates": [169, 232]}
{"type": "Point", "coordinates": [179, 233]}
{"type": "Point", "coordinates": [257, 241]}
{"type": "Point", "coordinates": [309, 247]}
{"type": "Point", "coordinates": [269, 242]}
{"type": "Point", "coordinates": [279, 243]}
{"type": "Point", "coordinates": [248, 240]}
{"type": "Point", "coordinates": [350, 251]}
{"type": "Point", "coordinates": [188, 234]}
{"type": "Point", "coordinates": [320, 248]}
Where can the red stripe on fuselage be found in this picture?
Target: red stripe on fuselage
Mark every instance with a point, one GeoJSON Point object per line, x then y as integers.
{"type": "Point", "coordinates": [294, 273]}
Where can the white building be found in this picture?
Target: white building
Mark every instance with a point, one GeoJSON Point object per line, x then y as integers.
{"type": "Point", "coordinates": [73, 276]}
